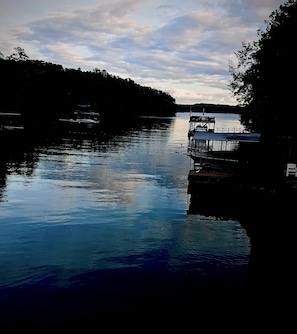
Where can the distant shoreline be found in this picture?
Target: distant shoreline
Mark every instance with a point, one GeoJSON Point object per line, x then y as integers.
{"type": "Point", "coordinates": [209, 108]}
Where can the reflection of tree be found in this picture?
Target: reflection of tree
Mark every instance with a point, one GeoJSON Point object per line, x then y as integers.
{"type": "Point", "coordinates": [268, 222]}
{"type": "Point", "coordinates": [266, 216]}
{"type": "Point", "coordinates": [23, 163]}
{"type": "Point", "coordinates": [3, 171]}
{"type": "Point", "coordinates": [18, 156]}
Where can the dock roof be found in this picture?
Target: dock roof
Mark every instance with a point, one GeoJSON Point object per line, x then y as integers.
{"type": "Point", "coordinates": [228, 136]}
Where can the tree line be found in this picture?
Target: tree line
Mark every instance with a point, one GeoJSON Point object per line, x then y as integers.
{"type": "Point", "coordinates": [264, 78]}
{"type": "Point", "coordinates": [263, 81]}
{"type": "Point", "coordinates": [44, 91]}
{"type": "Point", "coordinates": [209, 108]}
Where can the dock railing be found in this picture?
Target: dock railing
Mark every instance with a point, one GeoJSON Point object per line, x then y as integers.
{"type": "Point", "coordinates": [231, 130]}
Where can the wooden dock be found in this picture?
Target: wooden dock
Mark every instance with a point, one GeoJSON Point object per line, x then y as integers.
{"type": "Point", "coordinates": [208, 176]}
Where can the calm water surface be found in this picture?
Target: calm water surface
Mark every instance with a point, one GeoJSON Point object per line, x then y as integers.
{"type": "Point", "coordinates": [106, 216]}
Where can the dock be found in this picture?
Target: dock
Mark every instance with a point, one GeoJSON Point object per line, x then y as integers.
{"type": "Point", "coordinates": [208, 176]}
{"type": "Point", "coordinates": [214, 153]}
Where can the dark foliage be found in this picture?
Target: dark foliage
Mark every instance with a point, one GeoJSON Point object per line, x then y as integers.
{"type": "Point", "coordinates": [209, 108]}
{"type": "Point", "coordinates": [44, 91]}
{"type": "Point", "coordinates": [264, 78]}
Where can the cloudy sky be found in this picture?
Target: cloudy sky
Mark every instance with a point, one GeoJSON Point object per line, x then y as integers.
{"type": "Point", "coordinates": [182, 47]}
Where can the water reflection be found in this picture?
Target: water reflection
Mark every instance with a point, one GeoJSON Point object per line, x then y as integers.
{"type": "Point", "coordinates": [267, 218]}
{"type": "Point", "coordinates": [104, 216]}
{"type": "Point", "coordinates": [17, 157]}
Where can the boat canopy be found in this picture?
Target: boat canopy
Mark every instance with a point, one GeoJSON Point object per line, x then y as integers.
{"type": "Point", "coordinates": [84, 105]}
{"type": "Point", "coordinates": [200, 119]}
{"type": "Point", "coordinates": [228, 136]}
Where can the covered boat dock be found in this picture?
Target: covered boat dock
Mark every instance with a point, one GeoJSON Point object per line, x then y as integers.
{"type": "Point", "coordinates": [246, 137]}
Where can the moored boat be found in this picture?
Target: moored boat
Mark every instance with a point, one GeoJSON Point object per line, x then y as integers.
{"type": "Point", "coordinates": [201, 124]}
{"type": "Point", "coordinates": [11, 122]}
{"type": "Point", "coordinates": [214, 154]}
{"type": "Point", "coordinates": [83, 116]}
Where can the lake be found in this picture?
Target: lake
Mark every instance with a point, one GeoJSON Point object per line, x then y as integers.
{"type": "Point", "coordinates": [96, 225]}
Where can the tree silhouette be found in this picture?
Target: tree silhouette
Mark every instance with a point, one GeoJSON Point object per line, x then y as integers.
{"type": "Point", "coordinates": [264, 77]}
{"type": "Point", "coordinates": [43, 91]}
{"type": "Point", "coordinates": [19, 54]}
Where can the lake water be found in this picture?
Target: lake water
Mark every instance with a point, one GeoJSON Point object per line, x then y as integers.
{"type": "Point", "coordinates": [92, 225]}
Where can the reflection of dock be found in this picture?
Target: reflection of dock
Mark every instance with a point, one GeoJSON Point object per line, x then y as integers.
{"type": "Point", "coordinates": [213, 193]}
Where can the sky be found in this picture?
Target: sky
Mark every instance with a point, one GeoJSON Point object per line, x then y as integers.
{"type": "Point", "coordinates": [182, 47]}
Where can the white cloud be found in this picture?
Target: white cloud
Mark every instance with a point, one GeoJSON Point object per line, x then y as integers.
{"type": "Point", "coordinates": [179, 46]}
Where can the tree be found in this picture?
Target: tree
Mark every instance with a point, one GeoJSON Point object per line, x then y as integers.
{"type": "Point", "coordinates": [19, 54]}
{"type": "Point", "coordinates": [264, 78]}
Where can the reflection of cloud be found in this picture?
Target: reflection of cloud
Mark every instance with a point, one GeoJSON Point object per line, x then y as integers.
{"type": "Point", "coordinates": [130, 177]}
{"type": "Point", "coordinates": [143, 171]}
{"type": "Point", "coordinates": [121, 186]}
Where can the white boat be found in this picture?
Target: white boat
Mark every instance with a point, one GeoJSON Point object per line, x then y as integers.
{"type": "Point", "coordinates": [79, 120]}
{"type": "Point", "coordinates": [11, 122]}
{"type": "Point", "coordinates": [201, 124]}
{"type": "Point", "coordinates": [82, 116]}
{"type": "Point", "coordinates": [214, 153]}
